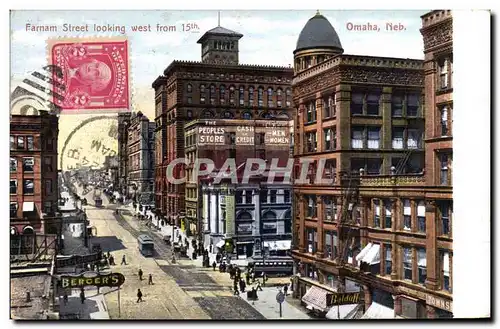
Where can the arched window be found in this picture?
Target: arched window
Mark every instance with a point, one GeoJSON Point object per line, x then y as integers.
{"type": "Point", "coordinates": [260, 97]}
{"type": "Point", "coordinates": [222, 94]}
{"type": "Point", "coordinates": [28, 230]}
{"type": "Point", "coordinates": [189, 88]}
{"type": "Point", "coordinates": [202, 94]}
{"type": "Point", "coordinates": [266, 115]}
{"type": "Point", "coordinates": [13, 230]}
{"type": "Point", "coordinates": [283, 115]}
{"type": "Point", "coordinates": [246, 116]}
{"type": "Point", "coordinates": [269, 215]}
{"type": "Point", "coordinates": [227, 115]}
{"type": "Point", "coordinates": [207, 114]}
{"type": "Point", "coordinates": [212, 94]}
{"type": "Point", "coordinates": [242, 95]}
{"type": "Point", "coordinates": [288, 97]}
{"type": "Point", "coordinates": [250, 96]}
{"type": "Point", "coordinates": [232, 95]}
{"type": "Point", "coordinates": [244, 215]}
{"type": "Point", "coordinates": [270, 102]}
{"type": "Point", "coordinates": [279, 97]}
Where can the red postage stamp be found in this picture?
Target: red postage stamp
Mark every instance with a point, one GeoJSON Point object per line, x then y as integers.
{"type": "Point", "coordinates": [95, 73]}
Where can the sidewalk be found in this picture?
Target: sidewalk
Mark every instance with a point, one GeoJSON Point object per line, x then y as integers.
{"type": "Point", "coordinates": [93, 308]}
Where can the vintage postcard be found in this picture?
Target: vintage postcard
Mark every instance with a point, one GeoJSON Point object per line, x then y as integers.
{"type": "Point", "coordinates": [233, 165]}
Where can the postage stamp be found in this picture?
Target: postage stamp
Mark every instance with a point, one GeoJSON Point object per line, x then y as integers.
{"type": "Point", "coordinates": [95, 73]}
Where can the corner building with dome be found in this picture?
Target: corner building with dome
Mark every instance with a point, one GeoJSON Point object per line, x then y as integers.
{"type": "Point", "coordinates": [378, 131]}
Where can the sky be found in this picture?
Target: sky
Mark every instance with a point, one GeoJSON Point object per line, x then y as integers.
{"type": "Point", "coordinates": [269, 38]}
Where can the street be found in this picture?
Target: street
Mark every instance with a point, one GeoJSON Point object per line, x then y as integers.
{"type": "Point", "coordinates": [179, 291]}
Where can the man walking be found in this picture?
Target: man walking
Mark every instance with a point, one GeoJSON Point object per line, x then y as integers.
{"type": "Point", "coordinates": [139, 295]}
{"type": "Point", "coordinates": [285, 289]}
{"type": "Point", "coordinates": [124, 261]}
{"type": "Point", "coordinates": [82, 296]}
{"type": "Point", "coordinates": [150, 280]}
{"type": "Point", "coordinates": [140, 274]}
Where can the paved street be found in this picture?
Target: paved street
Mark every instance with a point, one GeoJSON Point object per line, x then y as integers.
{"type": "Point", "coordinates": [180, 290]}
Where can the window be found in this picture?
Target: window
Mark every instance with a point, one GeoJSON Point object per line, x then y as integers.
{"type": "Point", "coordinates": [263, 196]}
{"type": "Point", "coordinates": [330, 208]}
{"type": "Point", "coordinates": [13, 186]}
{"type": "Point", "coordinates": [444, 212]}
{"type": "Point", "coordinates": [407, 264]}
{"type": "Point", "coordinates": [445, 265]}
{"type": "Point", "coordinates": [330, 139]}
{"type": "Point", "coordinates": [227, 115]}
{"type": "Point", "coordinates": [269, 228]}
{"type": "Point", "coordinates": [30, 143]}
{"type": "Point", "coordinates": [273, 196]}
{"type": "Point", "coordinates": [311, 142]}
{"type": "Point", "coordinates": [422, 265]}
{"type": "Point", "coordinates": [444, 121]}
{"type": "Point", "coordinates": [373, 138]}
{"type": "Point", "coordinates": [238, 197]}
{"type": "Point", "coordinates": [189, 88]}
{"type": "Point", "coordinates": [279, 97]}
{"type": "Point", "coordinates": [48, 187]}
{"type": "Point", "coordinates": [373, 166]}
{"type": "Point", "coordinates": [328, 244]}
{"type": "Point", "coordinates": [413, 105]}
{"type": "Point", "coordinates": [288, 97]}
{"type": "Point", "coordinates": [212, 94]}
{"type": "Point", "coordinates": [312, 240]}
{"type": "Point", "coordinates": [372, 104]}
{"type": "Point", "coordinates": [13, 164]}
{"type": "Point", "coordinates": [190, 100]}
{"type": "Point", "coordinates": [443, 158]}
{"type": "Point", "coordinates": [28, 186]}
{"type": "Point", "coordinates": [222, 94]}
{"type": "Point", "coordinates": [232, 95]}
{"type": "Point", "coordinates": [28, 164]}
{"type": "Point", "coordinates": [242, 96]}
{"type": "Point", "coordinates": [311, 112]}
{"type": "Point", "coordinates": [47, 207]}
{"type": "Point", "coordinates": [311, 205]}
{"type": "Point", "coordinates": [357, 103]}
{"type": "Point", "coordinates": [421, 216]}
{"type": "Point", "coordinates": [13, 209]}
{"type": "Point", "coordinates": [260, 96]}
{"type": "Point", "coordinates": [329, 107]}
{"type": "Point", "coordinates": [270, 97]}
{"type": "Point", "coordinates": [50, 144]}
{"type": "Point", "coordinates": [397, 138]}
{"type": "Point", "coordinates": [250, 96]}
{"type": "Point", "coordinates": [406, 215]}
{"type": "Point", "coordinates": [202, 94]}
{"type": "Point", "coordinates": [376, 213]}
{"type": "Point", "coordinates": [388, 214]}
{"type": "Point", "coordinates": [388, 259]}
{"type": "Point", "coordinates": [12, 142]}
{"type": "Point", "coordinates": [357, 138]}
{"type": "Point", "coordinates": [414, 138]}
{"type": "Point", "coordinates": [286, 196]}
{"type": "Point", "coordinates": [20, 142]}
{"type": "Point", "coordinates": [443, 74]}
{"type": "Point", "coordinates": [397, 105]}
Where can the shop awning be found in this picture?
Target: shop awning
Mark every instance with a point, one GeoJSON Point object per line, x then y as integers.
{"type": "Point", "coordinates": [28, 206]}
{"type": "Point", "coordinates": [346, 312]}
{"type": "Point", "coordinates": [378, 311]}
{"type": "Point", "coordinates": [370, 256]}
{"type": "Point", "coordinates": [220, 244]}
{"type": "Point", "coordinates": [278, 245]}
{"type": "Point", "coordinates": [316, 298]}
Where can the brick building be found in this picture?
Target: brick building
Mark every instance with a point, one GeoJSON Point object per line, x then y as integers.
{"type": "Point", "coordinates": [140, 153]}
{"type": "Point", "coordinates": [218, 87]}
{"type": "Point", "coordinates": [382, 223]}
{"type": "Point", "coordinates": [123, 123]}
{"type": "Point", "coordinates": [33, 174]}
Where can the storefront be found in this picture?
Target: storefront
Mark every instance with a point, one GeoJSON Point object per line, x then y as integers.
{"type": "Point", "coordinates": [381, 307]}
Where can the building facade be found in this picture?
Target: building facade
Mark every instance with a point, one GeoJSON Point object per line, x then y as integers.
{"type": "Point", "coordinates": [381, 217]}
{"type": "Point", "coordinates": [140, 152]}
{"type": "Point", "coordinates": [217, 88]}
{"type": "Point", "coordinates": [33, 174]}
{"type": "Point", "coordinates": [123, 124]}
{"type": "Point", "coordinates": [232, 211]}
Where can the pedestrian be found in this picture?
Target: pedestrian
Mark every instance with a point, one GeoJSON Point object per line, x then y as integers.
{"type": "Point", "coordinates": [65, 298]}
{"type": "Point", "coordinates": [214, 265]}
{"type": "Point", "coordinates": [285, 289]}
{"type": "Point", "coordinates": [124, 261]}
{"type": "Point", "coordinates": [82, 296]}
{"type": "Point", "coordinates": [247, 278]}
{"type": "Point", "coordinates": [111, 260]}
{"type": "Point", "coordinates": [139, 295]}
{"type": "Point", "coordinates": [194, 255]}
{"type": "Point", "coordinates": [259, 287]}
{"type": "Point", "coordinates": [242, 287]}
{"type": "Point", "coordinates": [150, 280]}
{"type": "Point", "coordinates": [235, 286]}
{"type": "Point", "coordinates": [140, 274]}
{"type": "Point", "coordinates": [264, 279]}
{"type": "Point", "coordinates": [211, 248]}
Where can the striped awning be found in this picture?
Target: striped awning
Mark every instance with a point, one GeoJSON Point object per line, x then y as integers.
{"type": "Point", "coordinates": [316, 298]}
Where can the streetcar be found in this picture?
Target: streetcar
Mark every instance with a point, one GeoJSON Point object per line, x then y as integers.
{"type": "Point", "coordinates": [146, 245]}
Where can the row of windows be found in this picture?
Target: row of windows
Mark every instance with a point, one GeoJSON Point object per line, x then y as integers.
{"type": "Point", "coordinates": [29, 186]}
{"type": "Point", "coordinates": [381, 263]}
{"type": "Point", "coordinates": [208, 114]}
{"type": "Point", "coordinates": [366, 103]}
{"type": "Point", "coordinates": [48, 207]}
{"type": "Point", "coordinates": [383, 213]}
{"type": "Point", "coordinates": [20, 142]}
{"type": "Point", "coordinates": [265, 196]}
{"type": "Point", "coordinates": [233, 96]}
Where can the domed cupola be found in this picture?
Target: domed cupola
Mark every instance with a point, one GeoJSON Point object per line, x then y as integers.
{"type": "Point", "coordinates": [317, 42]}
